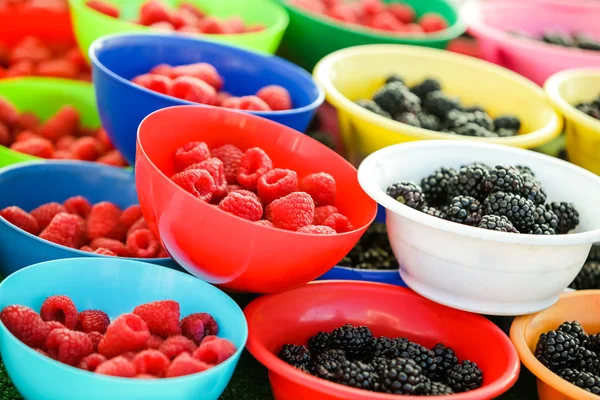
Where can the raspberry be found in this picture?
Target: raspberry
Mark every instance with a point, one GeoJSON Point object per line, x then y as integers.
{"type": "Point", "coordinates": [30, 49]}
{"type": "Point", "coordinates": [25, 135]}
{"type": "Point", "coordinates": [371, 7]}
{"type": "Point", "coordinates": [64, 123]}
{"type": "Point", "coordinates": [162, 69]}
{"type": "Point", "coordinates": [70, 346]}
{"type": "Point", "coordinates": [432, 22]}
{"type": "Point", "coordinates": [96, 338]}
{"type": "Point", "coordinates": [139, 224]}
{"type": "Point", "coordinates": [142, 244]}
{"type": "Point", "coordinates": [189, 29]}
{"type": "Point", "coordinates": [36, 147]}
{"type": "Point", "coordinates": [87, 249]}
{"type": "Point", "coordinates": [321, 187]}
{"type": "Point", "coordinates": [276, 97]}
{"type": "Point", "coordinates": [214, 350]}
{"type": "Point", "coordinates": [163, 26]}
{"type": "Point", "coordinates": [78, 205]}
{"type": "Point", "coordinates": [25, 324]}
{"type": "Point", "coordinates": [189, 154]}
{"type": "Point", "coordinates": [265, 222]}
{"type": "Point", "coordinates": [153, 11]}
{"type": "Point", "coordinates": [232, 102]}
{"type": "Point", "coordinates": [154, 82]}
{"type": "Point", "coordinates": [65, 229]}
{"type": "Point", "coordinates": [21, 219]}
{"type": "Point", "coordinates": [243, 206]}
{"type": "Point", "coordinates": [403, 12]}
{"type": "Point", "coordinates": [343, 12]}
{"type": "Point", "coordinates": [197, 182]}
{"type": "Point", "coordinates": [176, 345]}
{"type": "Point", "coordinates": [104, 252]}
{"type": "Point", "coordinates": [26, 121]}
{"type": "Point", "coordinates": [184, 364]}
{"type": "Point", "coordinates": [339, 223]}
{"type": "Point", "coordinates": [253, 103]}
{"type": "Point", "coordinates": [75, 56]}
{"type": "Point", "coordinates": [130, 215]}
{"type": "Point", "coordinates": [253, 164]}
{"type": "Point", "coordinates": [61, 309]}
{"type": "Point", "coordinates": [162, 253]}
{"type": "Point", "coordinates": [212, 25]}
{"type": "Point", "coordinates": [145, 376]}
{"type": "Point", "coordinates": [118, 366]}
{"type": "Point", "coordinates": [231, 157]}
{"type": "Point", "coordinates": [386, 22]}
{"type": "Point", "coordinates": [247, 193]}
{"type": "Point", "coordinates": [192, 9]}
{"type": "Point", "coordinates": [236, 25]}
{"type": "Point", "coordinates": [151, 362]}
{"type": "Point", "coordinates": [162, 317]}
{"type": "Point", "coordinates": [8, 112]}
{"type": "Point", "coordinates": [321, 213]}
{"type": "Point", "coordinates": [317, 230]}
{"type": "Point", "coordinates": [104, 8]}
{"type": "Point", "coordinates": [113, 158]}
{"type": "Point", "coordinates": [62, 155]}
{"type": "Point", "coordinates": [202, 71]}
{"type": "Point", "coordinates": [104, 140]}
{"type": "Point", "coordinates": [130, 355]}
{"type": "Point", "coordinates": [103, 222]}
{"type": "Point", "coordinates": [115, 246]}
{"type": "Point", "coordinates": [154, 342]}
{"type": "Point", "coordinates": [20, 68]}
{"type": "Point", "coordinates": [182, 18]}
{"type": "Point", "coordinates": [52, 325]}
{"type": "Point", "coordinates": [5, 138]}
{"type": "Point", "coordinates": [215, 168]}
{"type": "Point", "coordinates": [57, 68]}
{"type": "Point", "coordinates": [91, 362]}
{"type": "Point", "coordinates": [221, 98]}
{"type": "Point", "coordinates": [196, 326]}
{"type": "Point", "coordinates": [92, 321]}
{"type": "Point", "coordinates": [85, 149]}
{"type": "Point", "coordinates": [277, 183]}
{"type": "Point", "coordinates": [193, 89]}
{"type": "Point", "coordinates": [293, 211]}
{"type": "Point", "coordinates": [126, 333]}
{"type": "Point", "coordinates": [46, 212]}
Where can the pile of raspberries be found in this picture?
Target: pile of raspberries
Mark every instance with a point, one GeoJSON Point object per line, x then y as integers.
{"type": "Point", "coordinates": [102, 228]}
{"type": "Point", "coordinates": [149, 343]}
{"type": "Point", "coordinates": [245, 184]}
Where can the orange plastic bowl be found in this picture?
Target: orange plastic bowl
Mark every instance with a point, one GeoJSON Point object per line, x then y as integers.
{"type": "Point", "coordinates": [582, 306]}
{"type": "Point", "coordinates": [219, 247]}
{"type": "Point", "coordinates": [294, 316]}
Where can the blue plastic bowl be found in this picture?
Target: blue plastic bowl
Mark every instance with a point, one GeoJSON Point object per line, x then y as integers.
{"type": "Point", "coordinates": [29, 185]}
{"type": "Point", "coordinates": [115, 286]}
{"type": "Point", "coordinates": [391, 277]}
{"type": "Point", "coordinates": [116, 59]}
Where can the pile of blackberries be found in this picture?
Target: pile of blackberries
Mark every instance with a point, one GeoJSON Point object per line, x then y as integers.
{"type": "Point", "coordinates": [591, 108]}
{"type": "Point", "coordinates": [573, 40]}
{"type": "Point", "coordinates": [373, 251]}
{"type": "Point", "coordinates": [589, 276]}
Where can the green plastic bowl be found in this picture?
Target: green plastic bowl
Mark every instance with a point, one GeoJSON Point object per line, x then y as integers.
{"type": "Point", "coordinates": [310, 37]}
{"type": "Point", "coordinates": [44, 97]}
{"type": "Point", "coordinates": [90, 24]}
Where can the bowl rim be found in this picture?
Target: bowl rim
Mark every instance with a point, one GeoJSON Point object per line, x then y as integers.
{"type": "Point", "coordinates": [97, 45]}
{"type": "Point", "coordinates": [368, 166]}
{"type": "Point", "coordinates": [15, 168]}
{"type": "Point", "coordinates": [517, 336]}
{"type": "Point", "coordinates": [531, 139]}
{"type": "Point", "coordinates": [273, 363]}
{"type": "Point", "coordinates": [140, 146]}
{"type": "Point", "coordinates": [555, 83]}
{"type": "Point", "coordinates": [451, 32]}
{"type": "Point", "coordinates": [112, 379]}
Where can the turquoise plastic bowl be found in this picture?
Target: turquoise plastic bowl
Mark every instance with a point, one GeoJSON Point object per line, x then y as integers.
{"type": "Point", "coordinates": [115, 286]}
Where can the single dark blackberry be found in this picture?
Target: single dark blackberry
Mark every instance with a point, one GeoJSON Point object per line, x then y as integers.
{"type": "Point", "coordinates": [584, 380]}
{"type": "Point", "coordinates": [464, 210]}
{"type": "Point", "coordinates": [294, 354]}
{"type": "Point", "coordinates": [356, 374]}
{"type": "Point", "coordinates": [518, 210]}
{"type": "Point", "coordinates": [482, 119]}
{"type": "Point", "coordinates": [568, 217]}
{"type": "Point", "coordinates": [588, 278]}
{"type": "Point", "coordinates": [373, 107]}
{"type": "Point", "coordinates": [532, 189]}
{"type": "Point", "coordinates": [542, 216]}
{"type": "Point", "coordinates": [509, 122]}
{"type": "Point", "coordinates": [424, 357]}
{"type": "Point", "coordinates": [407, 193]}
{"type": "Point", "coordinates": [439, 104]}
{"type": "Point", "coordinates": [468, 180]}
{"type": "Point", "coordinates": [425, 87]}
{"type": "Point", "coordinates": [456, 119]}
{"type": "Point", "coordinates": [594, 253]}
{"type": "Point", "coordinates": [399, 376]}
{"type": "Point", "coordinates": [434, 212]}
{"type": "Point", "coordinates": [351, 339]}
{"type": "Point", "coordinates": [437, 185]}
{"type": "Point", "coordinates": [503, 178]}
{"type": "Point", "coordinates": [379, 347]}
{"type": "Point", "coordinates": [433, 388]}
{"type": "Point", "coordinates": [429, 121]}
{"type": "Point", "coordinates": [556, 349]}
{"type": "Point", "coordinates": [395, 98]}
{"type": "Point", "coordinates": [465, 377]}
{"type": "Point", "coordinates": [395, 78]}
{"type": "Point", "coordinates": [497, 223]}
{"type": "Point", "coordinates": [327, 361]}
{"type": "Point", "coordinates": [505, 133]}
{"type": "Point", "coordinates": [542, 229]}
{"type": "Point", "coordinates": [323, 138]}
{"type": "Point", "coordinates": [474, 130]}
{"type": "Point", "coordinates": [319, 342]}
{"type": "Point", "coordinates": [473, 109]}
{"type": "Point", "coordinates": [445, 359]}
{"type": "Point", "coordinates": [558, 38]}
{"type": "Point", "coordinates": [587, 43]}
{"type": "Point", "coordinates": [408, 118]}
{"type": "Point", "coordinates": [575, 329]}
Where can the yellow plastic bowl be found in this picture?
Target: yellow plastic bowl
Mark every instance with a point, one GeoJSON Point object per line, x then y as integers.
{"type": "Point", "coordinates": [355, 73]}
{"type": "Point", "coordinates": [565, 89]}
{"type": "Point", "coordinates": [582, 306]}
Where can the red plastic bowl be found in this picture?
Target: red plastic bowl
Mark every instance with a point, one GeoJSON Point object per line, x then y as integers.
{"type": "Point", "coordinates": [224, 249]}
{"type": "Point", "coordinates": [49, 25]}
{"type": "Point", "coordinates": [294, 316]}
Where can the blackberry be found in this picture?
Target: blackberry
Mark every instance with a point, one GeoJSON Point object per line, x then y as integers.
{"type": "Point", "coordinates": [395, 78]}
{"type": "Point", "coordinates": [437, 185]}
{"type": "Point", "coordinates": [439, 104]}
{"type": "Point", "coordinates": [373, 107]}
{"type": "Point", "coordinates": [373, 251]}
{"type": "Point", "coordinates": [355, 374]}
{"type": "Point", "coordinates": [429, 121]}
{"type": "Point", "coordinates": [505, 132]}
{"type": "Point", "coordinates": [351, 339]}
{"type": "Point", "coordinates": [542, 229]}
{"type": "Point", "coordinates": [587, 361]}
{"type": "Point", "coordinates": [399, 376]}
{"type": "Point", "coordinates": [556, 349]}
{"type": "Point", "coordinates": [407, 193]}
{"type": "Point", "coordinates": [588, 278]}
{"type": "Point", "coordinates": [456, 119]}
{"type": "Point", "coordinates": [587, 43]}
{"type": "Point", "coordinates": [427, 86]}
{"type": "Point", "coordinates": [482, 119]}
{"type": "Point", "coordinates": [319, 342]}
{"type": "Point", "coordinates": [464, 377]}
{"type": "Point", "coordinates": [594, 342]}
{"type": "Point", "coordinates": [445, 359]}
{"type": "Point", "coordinates": [503, 178]}
{"type": "Point", "coordinates": [468, 180]}
{"type": "Point", "coordinates": [594, 253]}
{"type": "Point", "coordinates": [542, 216]}
{"type": "Point", "coordinates": [395, 98]}
{"type": "Point", "coordinates": [518, 210]}
{"type": "Point", "coordinates": [473, 109]}
{"type": "Point", "coordinates": [584, 380]}
{"type": "Point", "coordinates": [433, 388]}
{"type": "Point", "coordinates": [464, 210]}
{"type": "Point", "coordinates": [294, 354]}
{"type": "Point", "coordinates": [509, 122]}
{"type": "Point", "coordinates": [379, 346]}
{"type": "Point", "coordinates": [568, 217]}
{"type": "Point", "coordinates": [497, 223]}
{"type": "Point", "coordinates": [574, 329]}
{"type": "Point", "coordinates": [408, 118]}
{"type": "Point", "coordinates": [558, 38]}
{"type": "Point", "coordinates": [525, 170]}
{"type": "Point", "coordinates": [323, 138]}
{"type": "Point", "coordinates": [375, 259]}
{"type": "Point", "coordinates": [421, 355]}
{"type": "Point", "coordinates": [329, 360]}
{"type": "Point", "coordinates": [434, 212]}
{"type": "Point", "coordinates": [474, 130]}
{"type": "Point", "coordinates": [532, 189]}
{"type": "Point", "coordinates": [569, 374]}
{"type": "Point", "coordinates": [589, 109]}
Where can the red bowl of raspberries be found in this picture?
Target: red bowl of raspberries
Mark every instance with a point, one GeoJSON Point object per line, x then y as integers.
{"type": "Point", "coordinates": [244, 202]}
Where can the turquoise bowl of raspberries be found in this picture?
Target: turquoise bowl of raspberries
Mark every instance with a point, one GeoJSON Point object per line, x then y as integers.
{"type": "Point", "coordinates": [108, 328]}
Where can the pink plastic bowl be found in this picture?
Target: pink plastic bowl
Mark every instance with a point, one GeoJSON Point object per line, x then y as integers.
{"type": "Point", "coordinates": [491, 21]}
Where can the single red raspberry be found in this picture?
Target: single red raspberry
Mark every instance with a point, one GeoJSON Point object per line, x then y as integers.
{"type": "Point", "coordinates": [130, 355]}
{"type": "Point", "coordinates": [175, 345]}
{"type": "Point", "coordinates": [156, 83]}
{"type": "Point", "coordinates": [114, 246]}
{"type": "Point", "coordinates": [103, 7]}
{"type": "Point", "coordinates": [214, 26]}
{"type": "Point", "coordinates": [142, 244]}
{"type": "Point", "coordinates": [52, 325]}
{"type": "Point", "coordinates": [192, 325]}
{"type": "Point", "coordinates": [185, 364]}
{"type": "Point", "coordinates": [321, 214]}
{"type": "Point", "coordinates": [214, 167]}
{"type": "Point", "coordinates": [189, 154]}
{"type": "Point", "coordinates": [128, 332]}
{"type": "Point", "coordinates": [62, 155]}
{"type": "Point", "coordinates": [20, 68]}
{"type": "Point", "coordinates": [130, 215]}
{"type": "Point", "coordinates": [21, 219]}
{"type": "Point", "coordinates": [118, 366]}
{"type": "Point", "coordinates": [25, 324]}
{"type": "Point", "coordinates": [8, 112]}
{"type": "Point", "coordinates": [154, 342]}
{"type": "Point", "coordinates": [202, 71]}
{"type": "Point", "coordinates": [75, 56]}
{"type": "Point", "coordinates": [104, 140]}
{"type": "Point", "coordinates": [104, 252]}
{"type": "Point", "coordinates": [197, 182]}
{"type": "Point", "coordinates": [253, 103]}
{"type": "Point", "coordinates": [103, 222]}
{"type": "Point", "coordinates": [339, 223]}
{"type": "Point", "coordinates": [403, 12]}
{"type": "Point", "coordinates": [163, 69]}
{"type": "Point", "coordinates": [139, 224]}
{"type": "Point", "coordinates": [96, 338]}
{"type": "Point", "coordinates": [343, 12]}
{"type": "Point", "coordinates": [153, 11]}
{"type": "Point", "coordinates": [193, 89]}
{"type": "Point", "coordinates": [277, 183]}
{"type": "Point", "coordinates": [235, 188]}
{"type": "Point", "coordinates": [242, 205]}
{"type": "Point", "coordinates": [92, 321]}
{"type": "Point", "coordinates": [30, 49]}
{"type": "Point", "coordinates": [65, 229]}
{"type": "Point", "coordinates": [371, 7]}
{"type": "Point", "coordinates": [265, 222]}
{"type": "Point", "coordinates": [198, 13]}
{"type": "Point", "coordinates": [221, 98]}
{"type": "Point", "coordinates": [162, 26]}
{"type": "Point", "coordinates": [145, 376]}
{"type": "Point", "coordinates": [317, 230]}
{"type": "Point", "coordinates": [386, 22]}
{"type": "Point", "coordinates": [248, 193]}
{"type": "Point", "coordinates": [231, 157]}
{"type": "Point", "coordinates": [236, 25]}
{"type": "Point", "coordinates": [151, 362]}
{"type": "Point", "coordinates": [183, 18]}
{"type": "Point", "coordinates": [27, 121]}
{"type": "Point", "coordinates": [293, 211]}
{"type": "Point", "coordinates": [214, 350]}
{"type": "Point", "coordinates": [162, 253]}
{"type": "Point", "coordinates": [87, 249]}
{"type": "Point", "coordinates": [91, 362]}
{"type": "Point", "coordinates": [232, 102]}
{"type": "Point", "coordinates": [113, 158]}
{"type": "Point", "coordinates": [34, 147]}
{"type": "Point", "coordinates": [162, 317]}
{"type": "Point", "coordinates": [57, 68]}
{"type": "Point", "coordinates": [86, 149]}
{"type": "Point", "coordinates": [60, 308]}
{"type": "Point", "coordinates": [276, 97]}
{"type": "Point", "coordinates": [189, 29]}
{"type": "Point", "coordinates": [70, 346]}
{"type": "Point", "coordinates": [78, 205]}
{"type": "Point", "coordinates": [253, 164]}
{"type": "Point", "coordinates": [64, 123]}
{"type": "Point", "coordinates": [433, 22]}
{"type": "Point", "coordinates": [321, 187]}
{"type": "Point", "coordinates": [26, 135]}
{"type": "Point", "coordinates": [5, 136]}
{"type": "Point", "coordinates": [46, 212]}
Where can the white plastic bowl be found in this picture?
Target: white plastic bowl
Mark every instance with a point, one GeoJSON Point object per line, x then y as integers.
{"type": "Point", "coordinates": [474, 269]}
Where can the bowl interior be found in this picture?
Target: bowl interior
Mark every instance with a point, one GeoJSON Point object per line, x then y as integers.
{"type": "Point", "coordinates": [579, 88]}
